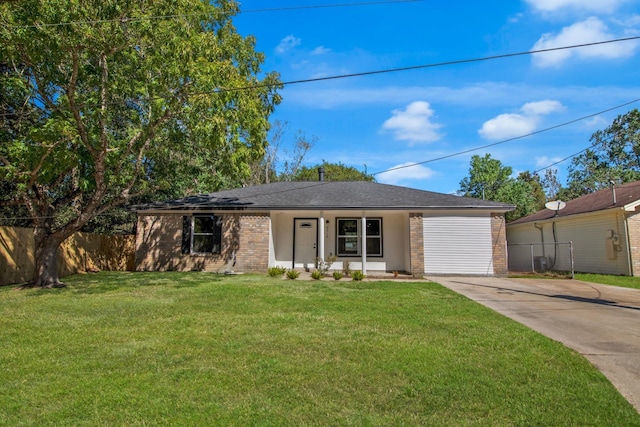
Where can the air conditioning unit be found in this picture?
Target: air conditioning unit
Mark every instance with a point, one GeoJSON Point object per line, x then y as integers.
{"type": "Point", "coordinates": [540, 264]}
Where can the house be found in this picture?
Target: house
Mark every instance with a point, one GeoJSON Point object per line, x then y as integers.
{"type": "Point", "coordinates": [603, 227]}
{"type": "Point", "coordinates": [374, 227]}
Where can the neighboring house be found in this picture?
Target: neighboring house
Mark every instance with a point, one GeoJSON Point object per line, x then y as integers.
{"type": "Point", "coordinates": [604, 228]}
{"type": "Point", "coordinates": [374, 227]}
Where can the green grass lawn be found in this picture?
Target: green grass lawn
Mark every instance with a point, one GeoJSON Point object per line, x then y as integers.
{"type": "Point", "coordinates": [196, 349]}
{"type": "Point", "coordinates": [606, 279]}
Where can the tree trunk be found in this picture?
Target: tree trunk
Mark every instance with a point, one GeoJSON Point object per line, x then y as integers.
{"type": "Point", "coordinates": [45, 274]}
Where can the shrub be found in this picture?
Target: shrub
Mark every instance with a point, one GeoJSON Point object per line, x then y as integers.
{"type": "Point", "coordinates": [292, 274]}
{"type": "Point", "coordinates": [337, 275]}
{"type": "Point", "coordinates": [357, 275]}
{"type": "Point", "coordinates": [346, 268]}
{"type": "Point", "coordinates": [325, 265]}
{"type": "Point", "coordinates": [276, 271]}
{"type": "Point", "coordinates": [317, 275]}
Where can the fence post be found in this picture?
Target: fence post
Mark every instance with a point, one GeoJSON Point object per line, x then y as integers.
{"type": "Point", "coordinates": [571, 252]}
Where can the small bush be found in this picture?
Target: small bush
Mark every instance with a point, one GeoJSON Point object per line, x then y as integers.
{"type": "Point", "coordinates": [337, 275]}
{"type": "Point", "coordinates": [276, 271]}
{"type": "Point", "coordinates": [317, 275]}
{"type": "Point", "coordinates": [346, 268]}
{"type": "Point", "coordinates": [357, 275]}
{"type": "Point", "coordinates": [292, 274]}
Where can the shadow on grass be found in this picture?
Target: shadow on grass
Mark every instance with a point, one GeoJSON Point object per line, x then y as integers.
{"type": "Point", "coordinates": [106, 281]}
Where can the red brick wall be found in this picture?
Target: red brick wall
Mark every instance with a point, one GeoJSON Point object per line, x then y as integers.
{"type": "Point", "coordinates": [633, 225]}
{"type": "Point", "coordinates": [416, 244]}
{"type": "Point", "coordinates": [499, 238]}
{"type": "Point", "coordinates": [253, 249]}
{"type": "Point", "coordinates": [159, 242]}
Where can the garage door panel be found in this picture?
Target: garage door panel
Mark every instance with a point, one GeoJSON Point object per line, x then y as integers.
{"type": "Point", "coordinates": [458, 245]}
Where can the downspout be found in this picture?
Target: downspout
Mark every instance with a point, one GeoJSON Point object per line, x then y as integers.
{"type": "Point", "coordinates": [539, 227]}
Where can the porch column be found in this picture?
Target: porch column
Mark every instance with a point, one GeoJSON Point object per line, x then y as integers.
{"type": "Point", "coordinates": [321, 237]}
{"type": "Point", "coordinates": [363, 245]}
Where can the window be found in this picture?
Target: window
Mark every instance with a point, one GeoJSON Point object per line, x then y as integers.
{"type": "Point", "coordinates": [350, 236]}
{"type": "Point", "coordinates": [201, 234]}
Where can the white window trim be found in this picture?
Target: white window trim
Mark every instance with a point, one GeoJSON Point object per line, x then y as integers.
{"type": "Point", "coordinates": [358, 236]}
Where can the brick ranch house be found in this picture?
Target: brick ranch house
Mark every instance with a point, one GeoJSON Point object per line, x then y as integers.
{"type": "Point", "coordinates": [374, 227]}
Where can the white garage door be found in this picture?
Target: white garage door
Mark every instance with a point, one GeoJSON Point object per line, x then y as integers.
{"type": "Point", "coordinates": [458, 245]}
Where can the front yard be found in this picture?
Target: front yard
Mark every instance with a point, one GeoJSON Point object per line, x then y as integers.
{"type": "Point", "coordinates": [140, 349]}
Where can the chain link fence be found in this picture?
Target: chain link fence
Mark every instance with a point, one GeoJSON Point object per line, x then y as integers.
{"type": "Point", "coordinates": [553, 259]}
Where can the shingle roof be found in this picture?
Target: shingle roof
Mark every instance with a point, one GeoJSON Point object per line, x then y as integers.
{"type": "Point", "coordinates": [325, 195]}
{"type": "Point", "coordinates": [597, 201]}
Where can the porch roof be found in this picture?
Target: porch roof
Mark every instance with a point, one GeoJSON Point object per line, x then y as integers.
{"type": "Point", "coordinates": [324, 195]}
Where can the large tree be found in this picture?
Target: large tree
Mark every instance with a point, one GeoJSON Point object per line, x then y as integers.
{"type": "Point", "coordinates": [489, 179]}
{"type": "Point", "coordinates": [111, 100]}
{"type": "Point", "coordinates": [332, 172]}
{"type": "Point", "coordinates": [613, 156]}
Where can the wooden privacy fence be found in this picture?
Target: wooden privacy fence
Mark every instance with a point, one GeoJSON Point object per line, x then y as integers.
{"type": "Point", "coordinates": [79, 253]}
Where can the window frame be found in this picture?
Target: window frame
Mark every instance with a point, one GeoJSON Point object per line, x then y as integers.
{"type": "Point", "coordinates": [358, 237]}
{"type": "Point", "coordinates": [216, 234]}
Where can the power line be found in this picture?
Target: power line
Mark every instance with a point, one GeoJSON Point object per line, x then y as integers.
{"type": "Point", "coordinates": [511, 139]}
{"type": "Point", "coordinates": [368, 73]}
{"type": "Point", "coordinates": [219, 12]}
{"type": "Point", "coordinates": [431, 65]}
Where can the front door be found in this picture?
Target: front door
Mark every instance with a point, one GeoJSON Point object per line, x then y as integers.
{"type": "Point", "coordinates": [305, 243]}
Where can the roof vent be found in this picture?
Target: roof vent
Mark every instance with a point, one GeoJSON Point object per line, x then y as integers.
{"type": "Point", "coordinates": [320, 174]}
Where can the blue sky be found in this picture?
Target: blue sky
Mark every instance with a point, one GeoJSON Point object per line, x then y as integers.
{"type": "Point", "coordinates": [395, 119]}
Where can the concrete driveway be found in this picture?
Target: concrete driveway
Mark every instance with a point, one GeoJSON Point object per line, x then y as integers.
{"type": "Point", "coordinates": [598, 321]}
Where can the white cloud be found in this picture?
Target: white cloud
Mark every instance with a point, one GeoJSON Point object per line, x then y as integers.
{"type": "Point", "coordinates": [515, 18]}
{"type": "Point", "coordinates": [413, 124]}
{"type": "Point", "coordinates": [406, 172]}
{"type": "Point", "coordinates": [544, 161]}
{"type": "Point", "coordinates": [320, 50]}
{"type": "Point", "coordinates": [588, 31]}
{"type": "Point", "coordinates": [511, 125]}
{"type": "Point", "coordinates": [539, 108]}
{"type": "Point", "coordinates": [586, 5]}
{"type": "Point", "coordinates": [597, 122]}
{"type": "Point", "coordinates": [288, 43]}
{"type": "Point", "coordinates": [507, 126]}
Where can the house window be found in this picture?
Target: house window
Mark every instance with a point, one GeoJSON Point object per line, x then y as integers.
{"type": "Point", "coordinates": [350, 236]}
{"type": "Point", "coordinates": [202, 234]}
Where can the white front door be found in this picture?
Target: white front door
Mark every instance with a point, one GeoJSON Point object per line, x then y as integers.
{"type": "Point", "coordinates": [305, 243]}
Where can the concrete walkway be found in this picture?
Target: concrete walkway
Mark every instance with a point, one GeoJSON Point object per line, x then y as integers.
{"type": "Point", "coordinates": [598, 321]}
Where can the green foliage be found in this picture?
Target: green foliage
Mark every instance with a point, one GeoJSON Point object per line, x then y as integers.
{"type": "Point", "coordinates": [276, 271]}
{"type": "Point", "coordinates": [118, 105]}
{"type": "Point", "coordinates": [317, 275]}
{"type": "Point", "coordinates": [324, 265]}
{"type": "Point", "coordinates": [613, 156]}
{"type": "Point", "coordinates": [337, 275]}
{"type": "Point", "coordinates": [357, 275]}
{"type": "Point", "coordinates": [293, 274]}
{"type": "Point", "coordinates": [332, 172]}
{"type": "Point", "coordinates": [489, 179]}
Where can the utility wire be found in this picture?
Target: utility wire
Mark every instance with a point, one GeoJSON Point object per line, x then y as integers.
{"type": "Point", "coordinates": [511, 139]}
{"type": "Point", "coordinates": [218, 12]}
{"type": "Point", "coordinates": [368, 73]}
{"type": "Point", "coordinates": [418, 67]}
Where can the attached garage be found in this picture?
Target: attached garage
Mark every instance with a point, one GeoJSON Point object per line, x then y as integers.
{"type": "Point", "coordinates": [458, 244]}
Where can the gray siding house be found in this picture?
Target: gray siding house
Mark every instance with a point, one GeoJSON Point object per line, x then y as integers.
{"type": "Point", "coordinates": [374, 227]}
{"type": "Point", "coordinates": [603, 227]}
